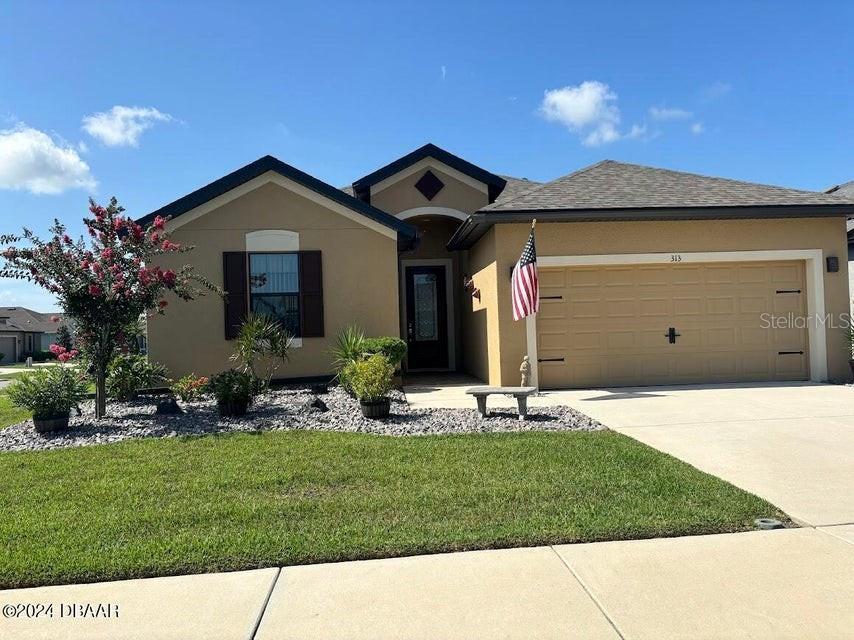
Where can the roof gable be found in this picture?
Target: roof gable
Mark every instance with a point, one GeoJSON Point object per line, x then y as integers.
{"type": "Point", "coordinates": [406, 232]}
{"type": "Point", "coordinates": [618, 185]}
{"type": "Point", "coordinates": [495, 184]}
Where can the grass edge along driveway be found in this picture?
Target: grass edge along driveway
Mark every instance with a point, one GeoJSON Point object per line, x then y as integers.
{"type": "Point", "coordinates": [241, 501]}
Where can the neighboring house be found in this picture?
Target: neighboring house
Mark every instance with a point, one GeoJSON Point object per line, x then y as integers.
{"type": "Point", "coordinates": [648, 276]}
{"type": "Point", "coordinates": [846, 192]}
{"type": "Point", "coordinates": [23, 331]}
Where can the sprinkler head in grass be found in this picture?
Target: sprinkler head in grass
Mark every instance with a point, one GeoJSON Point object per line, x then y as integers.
{"type": "Point", "coordinates": [767, 523]}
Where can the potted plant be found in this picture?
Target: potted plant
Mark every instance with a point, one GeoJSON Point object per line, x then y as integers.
{"type": "Point", "coordinates": [233, 391]}
{"type": "Point", "coordinates": [50, 393]}
{"type": "Point", "coordinates": [371, 380]}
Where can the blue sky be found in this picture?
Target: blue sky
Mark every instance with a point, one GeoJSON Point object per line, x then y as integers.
{"type": "Point", "coordinates": [759, 91]}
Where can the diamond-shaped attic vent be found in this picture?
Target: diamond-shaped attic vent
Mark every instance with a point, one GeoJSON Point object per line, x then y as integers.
{"type": "Point", "coordinates": [429, 185]}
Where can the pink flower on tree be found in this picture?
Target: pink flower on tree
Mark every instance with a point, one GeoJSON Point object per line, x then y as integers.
{"type": "Point", "coordinates": [105, 286]}
{"type": "Point", "coordinates": [65, 356]}
{"type": "Point", "coordinates": [56, 349]}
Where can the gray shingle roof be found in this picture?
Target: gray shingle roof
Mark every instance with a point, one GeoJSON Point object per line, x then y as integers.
{"type": "Point", "coordinates": [846, 189]}
{"type": "Point", "coordinates": [617, 185]}
{"type": "Point", "coordinates": [516, 187]}
{"type": "Point", "coordinates": [23, 319]}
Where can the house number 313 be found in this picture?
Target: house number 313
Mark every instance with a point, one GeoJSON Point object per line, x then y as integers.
{"type": "Point", "coordinates": [675, 257]}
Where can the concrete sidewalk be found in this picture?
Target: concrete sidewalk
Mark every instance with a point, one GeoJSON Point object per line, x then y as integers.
{"type": "Point", "coordinates": [796, 583]}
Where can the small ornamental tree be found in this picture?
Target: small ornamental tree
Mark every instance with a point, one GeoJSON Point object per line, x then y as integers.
{"type": "Point", "coordinates": [105, 285]}
{"type": "Point", "coordinates": [64, 338]}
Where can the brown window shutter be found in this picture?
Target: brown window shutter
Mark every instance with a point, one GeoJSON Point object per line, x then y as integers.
{"type": "Point", "coordinates": [311, 294]}
{"type": "Point", "coordinates": [236, 284]}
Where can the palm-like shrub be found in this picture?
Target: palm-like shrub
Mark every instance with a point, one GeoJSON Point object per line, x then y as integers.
{"type": "Point", "coordinates": [349, 347]}
{"type": "Point", "coordinates": [128, 373]}
{"type": "Point", "coordinates": [262, 344]}
{"type": "Point", "coordinates": [49, 392]}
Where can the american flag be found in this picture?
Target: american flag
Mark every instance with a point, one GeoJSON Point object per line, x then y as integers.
{"type": "Point", "coordinates": [524, 285]}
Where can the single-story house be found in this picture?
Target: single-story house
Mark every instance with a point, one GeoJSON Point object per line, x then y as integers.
{"type": "Point", "coordinates": [647, 276]}
{"type": "Point", "coordinates": [23, 331]}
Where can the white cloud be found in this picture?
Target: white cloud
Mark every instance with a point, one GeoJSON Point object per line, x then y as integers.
{"type": "Point", "coordinates": [30, 159]}
{"type": "Point", "coordinates": [669, 113]}
{"type": "Point", "coordinates": [444, 71]}
{"type": "Point", "coordinates": [637, 131]}
{"type": "Point", "coordinates": [589, 109]}
{"type": "Point", "coordinates": [697, 128]}
{"type": "Point", "coordinates": [122, 126]}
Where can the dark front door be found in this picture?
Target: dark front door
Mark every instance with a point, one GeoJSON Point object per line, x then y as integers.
{"type": "Point", "coordinates": [426, 317]}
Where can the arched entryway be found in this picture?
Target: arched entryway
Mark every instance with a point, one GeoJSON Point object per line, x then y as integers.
{"type": "Point", "coordinates": [430, 291]}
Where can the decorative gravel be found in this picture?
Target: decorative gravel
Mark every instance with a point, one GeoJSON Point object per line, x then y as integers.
{"type": "Point", "coordinates": [284, 409]}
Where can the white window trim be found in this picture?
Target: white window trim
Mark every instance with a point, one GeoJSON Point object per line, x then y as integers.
{"type": "Point", "coordinates": [282, 181]}
{"type": "Point", "coordinates": [428, 163]}
{"type": "Point", "coordinates": [445, 212]}
{"type": "Point", "coordinates": [272, 240]}
{"type": "Point", "coordinates": [449, 296]}
{"type": "Point", "coordinates": [814, 275]}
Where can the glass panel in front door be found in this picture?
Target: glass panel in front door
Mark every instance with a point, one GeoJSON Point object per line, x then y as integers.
{"type": "Point", "coordinates": [426, 318]}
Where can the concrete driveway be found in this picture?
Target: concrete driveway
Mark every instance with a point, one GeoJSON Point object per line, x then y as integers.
{"type": "Point", "coordinates": [791, 443]}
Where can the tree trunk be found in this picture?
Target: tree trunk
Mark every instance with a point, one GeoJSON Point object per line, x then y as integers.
{"type": "Point", "coordinates": [100, 394]}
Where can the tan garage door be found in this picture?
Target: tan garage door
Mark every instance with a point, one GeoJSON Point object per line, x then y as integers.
{"type": "Point", "coordinates": [610, 326]}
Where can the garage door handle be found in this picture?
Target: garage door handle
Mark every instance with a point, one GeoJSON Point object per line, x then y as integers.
{"type": "Point", "coordinates": [550, 359]}
{"type": "Point", "coordinates": [671, 335]}
{"type": "Point", "coordinates": [788, 290]}
{"type": "Point", "coordinates": [790, 353]}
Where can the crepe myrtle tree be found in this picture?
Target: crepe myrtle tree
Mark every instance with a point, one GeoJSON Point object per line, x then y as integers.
{"type": "Point", "coordinates": [105, 284]}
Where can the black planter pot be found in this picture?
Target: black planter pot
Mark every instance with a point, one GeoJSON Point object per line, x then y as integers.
{"type": "Point", "coordinates": [47, 425]}
{"type": "Point", "coordinates": [376, 409]}
{"type": "Point", "coordinates": [233, 408]}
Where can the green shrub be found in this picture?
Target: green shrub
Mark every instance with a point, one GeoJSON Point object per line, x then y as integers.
{"type": "Point", "coordinates": [232, 386]}
{"type": "Point", "coordinates": [49, 392]}
{"type": "Point", "coordinates": [370, 379]}
{"type": "Point", "coordinates": [129, 372]}
{"type": "Point", "coordinates": [189, 387]}
{"type": "Point", "coordinates": [38, 356]}
{"type": "Point", "coordinates": [394, 349]}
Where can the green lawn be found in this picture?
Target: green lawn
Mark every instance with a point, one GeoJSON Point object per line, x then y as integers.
{"type": "Point", "coordinates": [159, 507]}
{"type": "Point", "coordinates": [9, 413]}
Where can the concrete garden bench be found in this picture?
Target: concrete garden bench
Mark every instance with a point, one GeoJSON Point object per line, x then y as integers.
{"type": "Point", "coordinates": [520, 393]}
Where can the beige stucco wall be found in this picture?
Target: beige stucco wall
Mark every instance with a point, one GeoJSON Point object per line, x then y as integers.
{"type": "Point", "coordinates": [507, 344]}
{"type": "Point", "coordinates": [402, 195]}
{"type": "Point", "coordinates": [481, 342]}
{"type": "Point", "coordinates": [359, 281]}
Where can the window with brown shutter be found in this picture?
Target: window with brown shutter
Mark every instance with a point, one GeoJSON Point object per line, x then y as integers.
{"type": "Point", "coordinates": [235, 282]}
{"type": "Point", "coordinates": [287, 286]}
{"type": "Point", "coordinates": [311, 294]}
